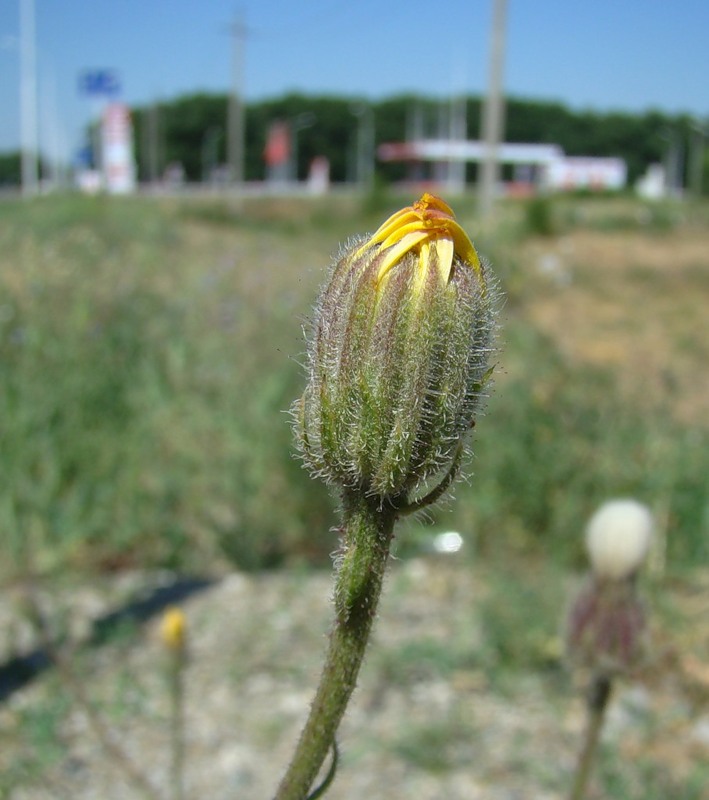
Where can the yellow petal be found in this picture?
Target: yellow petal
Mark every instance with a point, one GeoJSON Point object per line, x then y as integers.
{"type": "Point", "coordinates": [429, 220]}
{"type": "Point", "coordinates": [397, 251]}
{"type": "Point", "coordinates": [402, 231]}
{"type": "Point", "coordinates": [431, 200]}
{"type": "Point", "coordinates": [446, 250]}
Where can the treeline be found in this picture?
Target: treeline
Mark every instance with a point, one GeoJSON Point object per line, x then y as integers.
{"type": "Point", "coordinates": [192, 131]}
{"type": "Point", "coordinates": [10, 169]}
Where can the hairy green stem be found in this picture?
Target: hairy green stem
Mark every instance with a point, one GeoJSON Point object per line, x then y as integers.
{"type": "Point", "coordinates": [597, 702]}
{"type": "Point", "coordinates": [367, 534]}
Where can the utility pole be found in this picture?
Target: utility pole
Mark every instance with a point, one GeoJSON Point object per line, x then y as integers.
{"type": "Point", "coordinates": [698, 133]}
{"type": "Point", "coordinates": [457, 134]}
{"type": "Point", "coordinates": [235, 122]}
{"type": "Point", "coordinates": [153, 128]}
{"type": "Point", "coordinates": [414, 133]}
{"type": "Point", "coordinates": [299, 123]}
{"type": "Point", "coordinates": [493, 110]}
{"type": "Point", "coordinates": [672, 163]}
{"type": "Point", "coordinates": [28, 98]}
{"type": "Point", "coordinates": [50, 143]}
{"type": "Point", "coordinates": [365, 143]}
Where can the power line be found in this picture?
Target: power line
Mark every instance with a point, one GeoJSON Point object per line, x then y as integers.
{"type": "Point", "coordinates": [235, 121]}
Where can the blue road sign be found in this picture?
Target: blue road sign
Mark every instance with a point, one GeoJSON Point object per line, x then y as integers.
{"type": "Point", "coordinates": [99, 83]}
{"type": "Point", "coordinates": [84, 157]}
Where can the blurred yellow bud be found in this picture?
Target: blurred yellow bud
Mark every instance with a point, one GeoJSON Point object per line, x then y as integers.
{"type": "Point", "coordinates": [172, 629]}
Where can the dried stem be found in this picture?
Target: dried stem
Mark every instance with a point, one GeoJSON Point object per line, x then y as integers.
{"type": "Point", "coordinates": [596, 704]}
{"type": "Point", "coordinates": [177, 721]}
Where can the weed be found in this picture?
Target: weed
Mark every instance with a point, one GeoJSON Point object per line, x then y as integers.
{"type": "Point", "coordinates": [539, 216]}
{"type": "Point", "coordinates": [648, 780]}
{"type": "Point", "coordinates": [435, 747]}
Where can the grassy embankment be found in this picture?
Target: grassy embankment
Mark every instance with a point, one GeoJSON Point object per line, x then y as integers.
{"type": "Point", "coordinates": [148, 352]}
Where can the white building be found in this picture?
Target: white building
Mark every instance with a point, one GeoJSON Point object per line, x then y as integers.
{"type": "Point", "coordinates": [585, 172]}
{"type": "Point", "coordinates": [545, 165]}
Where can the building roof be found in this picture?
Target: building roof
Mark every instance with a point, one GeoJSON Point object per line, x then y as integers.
{"type": "Point", "coordinates": [462, 150]}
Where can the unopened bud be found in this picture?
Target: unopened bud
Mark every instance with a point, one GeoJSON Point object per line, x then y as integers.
{"type": "Point", "coordinates": [398, 356]}
{"type": "Point", "coordinates": [618, 538]}
{"type": "Point", "coordinates": [606, 626]}
{"type": "Point", "coordinates": [173, 628]}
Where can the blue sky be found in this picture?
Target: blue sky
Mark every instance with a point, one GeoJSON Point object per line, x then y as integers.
{"type": "Point", "coordinates": [609, 54]}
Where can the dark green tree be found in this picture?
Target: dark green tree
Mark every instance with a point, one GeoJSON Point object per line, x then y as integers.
{"type": "Point", "coordinates": [192, 131]}
{"type": "Point", "coordinates": [10, 169]}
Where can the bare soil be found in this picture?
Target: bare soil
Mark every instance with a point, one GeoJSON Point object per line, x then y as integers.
{"type": "Point", "coordinates": [420, 726]}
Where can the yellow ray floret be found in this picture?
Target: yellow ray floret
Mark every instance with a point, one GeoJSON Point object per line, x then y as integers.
{"type": "Point", "coordinates": [428, 223]}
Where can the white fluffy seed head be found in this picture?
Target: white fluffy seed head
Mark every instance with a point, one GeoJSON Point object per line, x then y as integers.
{"type": "Point", "coordinates": [618, 538]}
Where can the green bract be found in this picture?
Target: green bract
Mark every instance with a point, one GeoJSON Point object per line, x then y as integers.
{"type": "Point", "coordinates": [398, 356]}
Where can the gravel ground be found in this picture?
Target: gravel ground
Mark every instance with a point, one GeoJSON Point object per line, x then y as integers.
{"type": "Point", "coordinates": [432, 719]}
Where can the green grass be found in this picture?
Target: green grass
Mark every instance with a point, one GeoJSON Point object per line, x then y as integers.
{"type": "Point", "coordinates": [436, 747]}
{"type": "Point", "coordinates": [618, 214]}
{"type": "Point", "coordinates": [648, 780]}
{"type": "Point", "coordinates": [142, 393]}
{"type": "Point", "coordinates": [39, 729]}
{"type": "Point", "coordinates": [148, 352]}
{"type": "Point", "coordinates": [557, 441]}
{"type": "Point", "coordinates": [539, 216]}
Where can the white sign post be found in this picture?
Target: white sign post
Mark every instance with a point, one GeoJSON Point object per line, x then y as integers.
{"type": "Point", "coordinates": [117, 150]}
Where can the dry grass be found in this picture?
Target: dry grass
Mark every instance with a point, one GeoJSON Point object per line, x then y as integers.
{"type": "Point", "coordinates": [633, 303]}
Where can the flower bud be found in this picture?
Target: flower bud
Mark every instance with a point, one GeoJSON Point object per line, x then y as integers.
{"type": "Point", "coordinates": [618, 538]}
{"type": "Point", "coordinates": [172, 629]}
{"type": "Point", "coordinates": [606, 626]}
{"type": "Point", "coordinates": [398, 355]}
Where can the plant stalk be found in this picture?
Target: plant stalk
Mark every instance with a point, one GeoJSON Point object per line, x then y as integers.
{"type": "Point", "coordinates": [367, 535]}
{"type": "Point", "coordinates": [596, 703]}
{"type": "Point", "coordinates": [177, 722]}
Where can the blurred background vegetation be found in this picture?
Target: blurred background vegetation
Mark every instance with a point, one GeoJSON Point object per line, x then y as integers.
{"type": "Point", "coordinates": [149, 350]}
{"type": "Point", "coordinates": [640, 139]}
{"type": "Point", "coordinates": [191, 130]}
